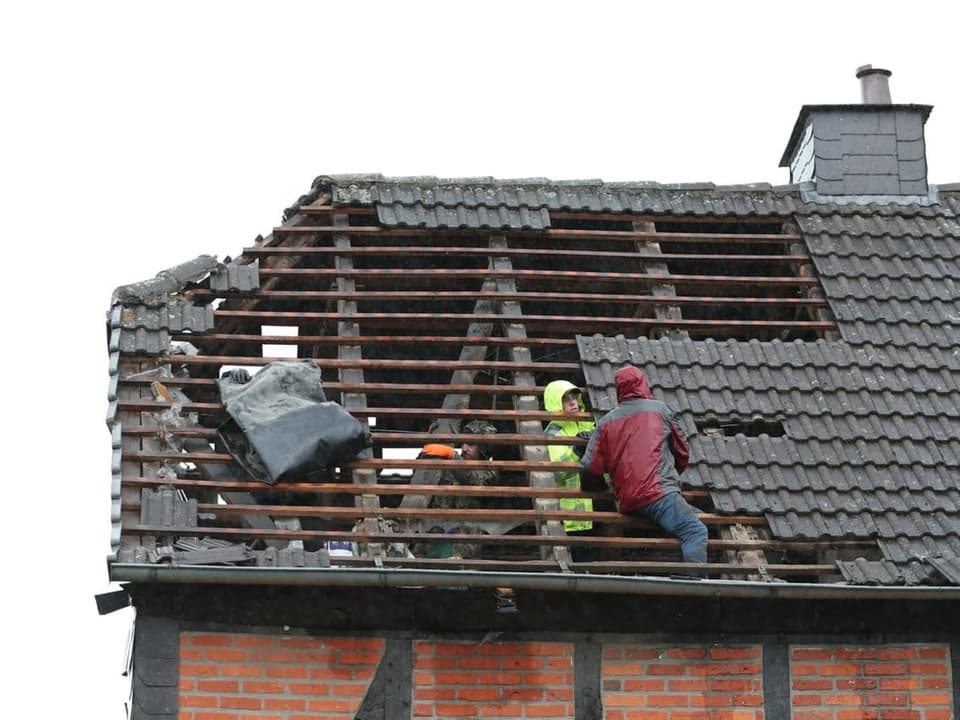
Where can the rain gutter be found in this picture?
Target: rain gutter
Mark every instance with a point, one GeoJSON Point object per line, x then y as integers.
{"type": "Point", "coordinates": [553, 582]}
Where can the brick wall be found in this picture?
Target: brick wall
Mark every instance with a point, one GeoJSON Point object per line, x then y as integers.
{"type": "Point", "coordinates": [493, 680]}
{"type": "Point", "coordinates": [226, 676]}
{"type": "Point", "coordinates": [237, 676]}
{"type": "Point", "coordinates": [684, 682]}
{"type": "Point", "coordinates": [889, 682]}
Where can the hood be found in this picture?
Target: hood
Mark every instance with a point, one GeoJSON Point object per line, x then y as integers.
{"type": "Point", "coordinates": [553, 395]}
{"type": "Point", "coordinates": [631, 383]}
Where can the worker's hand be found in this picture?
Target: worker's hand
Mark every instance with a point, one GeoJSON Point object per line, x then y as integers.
{"type": "Point", "coordinates": [578, 450]}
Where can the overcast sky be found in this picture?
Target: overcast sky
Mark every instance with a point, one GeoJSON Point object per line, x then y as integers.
{"type": "Point", "coordinates": [139, 135]}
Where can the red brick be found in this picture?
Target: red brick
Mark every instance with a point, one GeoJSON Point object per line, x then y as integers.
{"type": "Point", "coordinates": [241, 670]}
{"type": "Point", "coordinates": [687, 653]}
{"type": "Point", "coordinates": [842, 699]}
{"type": "Point", "coordinates": [858, 714]}
{"type": "Point", "coordinates": [899, 714]}
{"type": "Point", "coordinates": [811, 715]}
{"type": "Point", "coordinates": [560, 663]}
{"type": "Point", "coordinates": [644, 685]}
{"type": "Point", "coordinates": [546, 649]}
{"type": "Point", "coordinates": [899, 683]}
{"type": "Point", "coordinates": [800, 669]}
{"type": "Point", "coordinates": [308, 688]}
{"type": "Point", "coordinates": [499, 711]}
{"type": "Point", "coordinates": [544, 678]}
{"type": "Point", "coordinates": [198, 670]}
{"type": "Point", "coordinates": [613, 653]}
{"type": "Point", "coordinates": [932, 652]}
{"type": "Point", "coordinates": [523, 663]}
{"type": "Point", "coordinates": [747, 700]}
{"type": "Point", "coordinates": [857, 684]}
{"type": "Point", "coordinates": [734, 653]}
{"type": "Point", "coordinates": [191, 653]}
{"type": "Point", "coordinates": [740, 685]}
{"type": "Point", "coordinates": [684, 685]}
{"type": "Point", "coordinates": [934, 683]}
{"type": "Point", "coordinates": [551, 694]}
{"type": "Point", "coordinates": [354, 643]}
{"type": "Point", "coordinates": [448, 648]}
{"type": "Point", "coordinates": [287, 671]}
{"type": "Point", "coordinates": [818, 684]}
{"type": "Point", "coordinates": [294, 704]}
{"type": "Point", "coordinates": [499, 678]}
{"type": "Point", "coordinates": [358, 658]}
{"type": "Point", "coordinates": [354, 690]}
{"type": "Point", "coordinates": [241, 702]}
{"type": "Point", "coordinates": [341, 706]}
{"type": "Point", "coordinates": [455, 710]}
{"type": "Point", "coordinates": [422, 710]}
{"type": "Point", "coordinates": [930, 698]}
{"type": "Point", "coordinates": [884, 669]}
{"type": "Point", "coordinates": [744, 669]}
{"type": "Point", "coordinates": [272, 656]}
{"type": "Point", "coordinates": [622, 668]}
{"type": "Point", "coordinates": [678, 701]}
{"type": "Point", "coordinates": [255, 641]}
{"type": "Point", "coordinates": [666, 669]}
{"type": "Point", "coordinates": [832, 669]}
{"type": "Point", "coordinates": [434, 694]}
{"type": "Point", "coordinates": [849, 653]}
{"type": "Point", "coordinates": [225, 655]}
{"type": "Point", "coordinates": [902, 652]}
{"type": "Point", "coordinates": [446, 663]}
{"type": "Point", "coordinates": [478, 694]}
{"type": "Point", "coordinates": [529, 694]}
{"type": "Point", "coordinates": [626, 700]}
{"type": "Point", "coordinates": [711, 700]}
{"type": "Point", "coordinates": [219, 686]}
{"type": "Point", "coordinates": [935, 714]}
{"type": "Point", "coordinates": [802, 700]}
{"type": "Point", "coordinates": [810, 654]}
{"type": "Point", "coordinates": [205, 640]}
{"type": "Point", "coordinates": [455, 678]}
{"type": "Point", "coordinates": [332, 673]}
{"type": "Point", "coordinates": [211, 715]}
{"type": "Point", "coordinates": [548, 711]}
{"type": "Point", "coordinates": [300, 643]}
{"type": "Point", "coordinates": [202, 701]}
{"type": "Point", "coordinates": [186, 685]}
{"type": "Point", "coordinates": [887, 699]}
{"type": "Point", "coordinates": [498, 648]}
{"type": "Point", "coordinates": [919, 668]}
{"type": "Point", "coordinates": [316, 657]}
{"type": "Point", "coordinates": [467, 663]}
{"type": "Point", "coordinates": [715, 669]}
{"type": "Point", "coordinates": [645, 653]}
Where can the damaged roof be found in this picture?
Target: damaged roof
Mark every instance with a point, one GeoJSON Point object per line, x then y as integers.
{"type": "Point", "coordinates": [845, 431]}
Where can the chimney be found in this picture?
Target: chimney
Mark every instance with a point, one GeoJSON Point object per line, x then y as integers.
{"type": "Point", "coordinates": [874, 85]}
{"type": "Point", "coordinates": [872, 152]}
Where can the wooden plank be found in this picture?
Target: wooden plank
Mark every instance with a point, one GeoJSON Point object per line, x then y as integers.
{"type": "Point", "coordinates": [434, 295]}
{"type": "Point", "coordinates": [579, 277]}
{"type": "Point", "coordinates": [663, 290]}
{"type": "Point", "coordinates": [190, 360]}
{"type": "Point", "coordinates": [514, 328]}
{"type": "Point", "coordinates": [348, 326]}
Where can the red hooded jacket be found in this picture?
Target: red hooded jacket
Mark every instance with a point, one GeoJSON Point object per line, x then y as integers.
{"type": "Point", "coordinates": [638, 443]}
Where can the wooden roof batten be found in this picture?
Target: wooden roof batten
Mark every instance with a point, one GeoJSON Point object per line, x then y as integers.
{"type": "Point", "coordinates": [389, 364]}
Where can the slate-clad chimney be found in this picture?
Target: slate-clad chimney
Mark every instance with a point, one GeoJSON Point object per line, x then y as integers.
{"type": "Point", "coordinates": [872, 152]}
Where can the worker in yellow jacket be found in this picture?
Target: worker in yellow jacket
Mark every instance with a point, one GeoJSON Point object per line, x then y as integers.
{"type": "Point", "coordinates": [563, 397]}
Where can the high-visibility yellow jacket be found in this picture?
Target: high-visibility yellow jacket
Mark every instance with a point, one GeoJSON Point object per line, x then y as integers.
{"type": "Point", "coordinates": [553, 402]}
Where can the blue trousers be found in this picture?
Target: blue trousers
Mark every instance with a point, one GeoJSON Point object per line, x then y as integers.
{"type": "Point", "coordinates": [679, 518]}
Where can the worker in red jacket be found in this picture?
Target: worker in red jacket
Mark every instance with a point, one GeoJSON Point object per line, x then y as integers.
{"type": "Point", "coordinates": [643, 449]}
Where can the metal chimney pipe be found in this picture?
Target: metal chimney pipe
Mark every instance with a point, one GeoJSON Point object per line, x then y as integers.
{"type": "Point", "coordinates": [874, 85]}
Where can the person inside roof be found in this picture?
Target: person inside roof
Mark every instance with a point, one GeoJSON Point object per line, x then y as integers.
{"type": "Point", "coordinates": [459, 476]}
{"type": "Point", "coordinates": [640, 444]}
{"type": "Point", "coordinates": [564, 398]}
